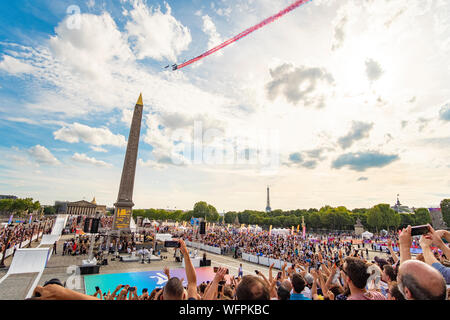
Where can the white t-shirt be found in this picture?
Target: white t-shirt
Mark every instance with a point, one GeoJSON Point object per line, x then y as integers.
{"type": "Point", "coordinates": [307, 292]}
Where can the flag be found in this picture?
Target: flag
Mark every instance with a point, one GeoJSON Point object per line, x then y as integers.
{"type": "Point", "coordinates": [270, 229]}
{"type": "Point", "coordinates": [228, 227]}
{"type": "Point", "coordinates": [298, 228]}
{"type": "Point", "coordinates": [10, 219]}
{"type": "Point", "coordinates": [31, 218]}
{"type": "Point", "coordinates": [292, 230]}
{"type": "Point", "coordinates": [304, 232]}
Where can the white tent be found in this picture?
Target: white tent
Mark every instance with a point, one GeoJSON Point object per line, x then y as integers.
{"type": "Point", "coordinates": [367, 235]}
{"type": "Point", "coordinates": [132, 225]}
{"type": "Point", "coordinates": [145, 221]}
{"type": "Point", "coordinates": [155, 224]}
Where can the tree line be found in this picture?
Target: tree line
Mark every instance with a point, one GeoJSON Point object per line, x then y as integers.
{"type": "Point", "coordinates": [18, 207]}
{"type": "Point", "coordinates": [380, 216]}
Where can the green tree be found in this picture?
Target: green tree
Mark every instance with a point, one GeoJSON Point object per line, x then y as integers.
{"type": "Point", "coordinates": [50, 210]}
{"type": "Point", "coordinates": [422, 216]}
{"type": "Point", "coordinates": [445, 209]}
{"type": "Point", "coordinates": [407, 219]}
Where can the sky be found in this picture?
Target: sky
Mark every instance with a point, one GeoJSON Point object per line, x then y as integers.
{"type": "Point", "coordinates": [336, 103]}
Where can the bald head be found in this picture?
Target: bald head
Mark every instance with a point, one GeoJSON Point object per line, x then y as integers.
{"type": "Point", "coordinates": [421, 281]}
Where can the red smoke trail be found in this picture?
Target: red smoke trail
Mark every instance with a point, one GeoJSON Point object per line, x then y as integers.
{"type": "Point", "coordinates": [271, 19]}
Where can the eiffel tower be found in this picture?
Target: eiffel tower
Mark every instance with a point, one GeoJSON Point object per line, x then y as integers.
{"type": "Point", "coordinates": [268, 209]}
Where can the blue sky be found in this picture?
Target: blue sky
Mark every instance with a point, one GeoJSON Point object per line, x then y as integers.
{"type": "Point", "coordinates": [336, 103]}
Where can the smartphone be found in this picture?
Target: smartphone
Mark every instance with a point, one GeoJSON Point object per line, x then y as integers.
{"type": "Point", "coordinates": [419, 230]}
{"type": "Point", "coordinates": [256, 271]}
{"type": "Point", "coordinates": [97, 288]}
{"type": "Point", "coordinates": [144, 290]}
{"type": "Point", "coordinates": [171, 244]}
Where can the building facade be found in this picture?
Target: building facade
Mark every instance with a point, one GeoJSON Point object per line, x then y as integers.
{"type": "Point", "coordinates": [82, 207]}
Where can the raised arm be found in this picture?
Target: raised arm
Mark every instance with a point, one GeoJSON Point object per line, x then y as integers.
{"type": "Point", "coordinates": [437, 240]}
{"type": "Point", "coordinates": [405, 244]}
{"type": "Point", "coordinates": [190, 271]}
{"type": "Point", "coordinates": [391, 250]}
{"type": "Point", "coordinates": [167, 273]}
{"type": "Point", "coordinates": [56, 292]}
{"type": "Point", "coordinates": [212, 291]}
{"type": "Point", "coordinates": [270, 272]}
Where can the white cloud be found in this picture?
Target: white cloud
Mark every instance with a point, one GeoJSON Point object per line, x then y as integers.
{"type": "Point", "coordinates": [92, 49]}
{"type": "Point", "coordinates": [156, 35]}
{"type": "Point", "coordinates": [42, 155]}
{"type": "Point", "coordinates": [151, 164]}
{"type": "Point", "coordinates": [373, 70]}
{"type": "Point", "coordinates": [98, 149]}
{"type": "Point", "coordinates": [77, 132]}
{"type": "Point", "coordinates": [210, 29]}
{"type": "Point", "coordinates": [90, 4]}
{"type": "Point", "coordinates": [83, 158]}
{"type": "Point", "coordinates": [14, 66]}
{"type": "Point", "coordinates": [127, 116]}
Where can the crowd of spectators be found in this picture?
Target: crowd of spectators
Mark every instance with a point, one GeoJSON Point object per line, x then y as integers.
{"type": "Point", "coordinates": [345, 274]}
{"type": "Point", "coordinates": [15, 234]}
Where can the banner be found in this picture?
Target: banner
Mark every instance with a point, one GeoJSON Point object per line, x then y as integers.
{"type": "Point", "coordinates": [122, 218]}
{"type": "Point", "coordinates": [304, 232]}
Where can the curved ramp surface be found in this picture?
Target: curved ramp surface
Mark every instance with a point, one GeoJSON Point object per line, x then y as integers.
{"type": "Point", "coordinates": [59, 225]}
{"type": "Point", "coordinates": [29, 260]}
{"type": "Point", "coordinates": [49, 239]}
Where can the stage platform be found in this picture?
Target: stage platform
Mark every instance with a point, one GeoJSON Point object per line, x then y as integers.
{"type": "Point", "coordinates": [141, 280]}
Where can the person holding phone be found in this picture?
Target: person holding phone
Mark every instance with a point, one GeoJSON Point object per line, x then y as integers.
{"type": "Point", "coordinates": [435, 237]}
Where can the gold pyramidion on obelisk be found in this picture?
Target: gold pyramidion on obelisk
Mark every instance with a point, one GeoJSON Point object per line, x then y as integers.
{"type": "Point", "coordinates": [139, 102]}
{"type": "Point", "coordinates": [124, 204]}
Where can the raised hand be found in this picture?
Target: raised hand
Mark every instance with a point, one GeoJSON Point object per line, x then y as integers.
{"type": "Point", "coordinates": [167, 272]}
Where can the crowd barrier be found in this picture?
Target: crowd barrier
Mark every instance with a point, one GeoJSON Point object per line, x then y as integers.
{"type": "Point", "coordinates": [10, 251]}
{"type": "Point", "coordinates": [265, 261]}
{"type": "Point", "coordinates": [203, 247]}
{"type": "Point", "coordinates": [277, 263]}
{"type": "Point", "coordinates": [386, 250]}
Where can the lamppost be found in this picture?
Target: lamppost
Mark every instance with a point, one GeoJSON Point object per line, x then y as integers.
{"type": "Point", "coordinates": [2, 263]}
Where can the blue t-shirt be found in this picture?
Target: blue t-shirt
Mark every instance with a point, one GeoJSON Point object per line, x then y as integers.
{"type": "Point", "coordinates": [298, 296]}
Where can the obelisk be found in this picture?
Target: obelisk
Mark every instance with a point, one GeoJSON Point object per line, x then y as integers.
{"type": "Point", "coordinates": [124, 204]}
